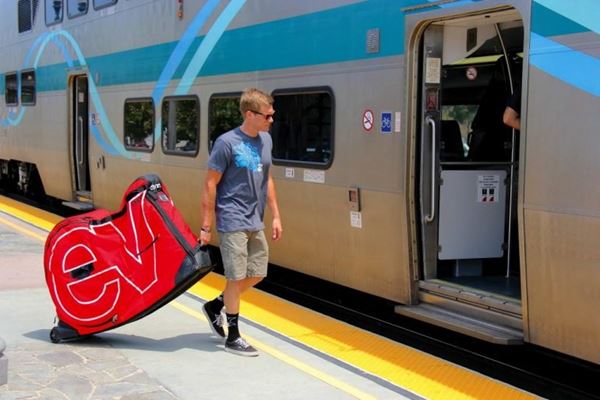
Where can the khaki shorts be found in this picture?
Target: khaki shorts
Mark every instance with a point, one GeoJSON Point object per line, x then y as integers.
{"type": "Point", "coordinates": [245, 254]}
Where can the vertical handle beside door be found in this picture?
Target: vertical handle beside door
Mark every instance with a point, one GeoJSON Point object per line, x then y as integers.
{"type": "Point", "coordinates": [79, 139]}
{"type": "Point", "coordinates": [431, 122]}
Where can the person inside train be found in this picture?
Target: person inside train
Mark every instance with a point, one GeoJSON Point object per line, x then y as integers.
{"type": "Point", "coordinates": [238, 185]}
{"type": "Point", "coordinates": [490, 139]}
{"type": "Point", "coordinates": [512, 112]}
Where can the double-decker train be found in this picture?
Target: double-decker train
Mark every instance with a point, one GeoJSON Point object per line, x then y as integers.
{"type": "Point", "coordinates": [396, 174]}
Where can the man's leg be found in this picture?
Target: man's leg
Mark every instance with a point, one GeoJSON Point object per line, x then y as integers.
{"type": "Point", "coordinates": [233, 291]}
{"type": "Point", "coordinates": [235, 343]}
{"type": "Point", "coordinates": [257, 259]}
{"type": "Point", "coordinates": [245, 258]}
{"type": "Point", "coordinates": [255, 254]}
{"type": "Point", "coordinates": [231, 296]}
{"type": "Point", "coordinates": [234, 254]}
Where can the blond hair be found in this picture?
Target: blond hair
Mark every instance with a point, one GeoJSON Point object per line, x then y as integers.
{"type": "Point", "coordinates": [253, 98]}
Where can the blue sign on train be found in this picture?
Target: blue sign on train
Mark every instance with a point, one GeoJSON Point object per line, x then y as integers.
{"type": "Point", "coordinates": [386, 122]}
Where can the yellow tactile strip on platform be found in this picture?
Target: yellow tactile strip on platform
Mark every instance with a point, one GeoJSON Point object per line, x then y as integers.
{"type": "Point", "coordinates": [36, 217]}
{"type": "Point", "coordinates": [411, 369]}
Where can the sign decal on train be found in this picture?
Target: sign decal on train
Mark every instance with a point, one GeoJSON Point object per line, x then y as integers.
{"type": "Point", "coordinates": [367, 120]}
{"type": "Point", "coordinates": [356, 219]}
{"type": "Point", "coordinates": [433, 70]}
{"type": "Point", "coordinates": [386, 122]}
{"type": "Point", "coordinates": [487, 188]}
{"type": "Point", "coordinates": [314, 176]}
{"type": "Point", "coordinates": [471, 73]}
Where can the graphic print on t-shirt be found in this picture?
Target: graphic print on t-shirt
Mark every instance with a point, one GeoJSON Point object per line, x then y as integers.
{"type": "Point", "coordinates": [246, 156]}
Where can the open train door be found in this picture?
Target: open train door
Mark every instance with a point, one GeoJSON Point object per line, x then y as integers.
{"type": "Point", "coordinates": [467, 65]}
{"type": "Point", "coordinates": [79, 124]}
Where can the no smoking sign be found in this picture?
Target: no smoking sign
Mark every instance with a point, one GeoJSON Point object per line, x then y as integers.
{"type": "Point", "coordinates": [368, 119]}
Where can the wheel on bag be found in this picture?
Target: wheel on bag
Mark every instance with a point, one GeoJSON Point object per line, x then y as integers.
{"type": "Point", "coordinates": [54, 335]}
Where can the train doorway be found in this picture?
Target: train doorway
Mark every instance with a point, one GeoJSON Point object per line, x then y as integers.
{"type": "Point", "coordinates": [80, 138]}
{"type": "Point", "coordinates": [469, 69]}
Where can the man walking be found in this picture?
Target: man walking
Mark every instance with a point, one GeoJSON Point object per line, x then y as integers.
{"type": "Point", "coordinates": [238, 185]}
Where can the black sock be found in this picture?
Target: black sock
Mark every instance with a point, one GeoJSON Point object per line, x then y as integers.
{"type": "Point", "coordinates": [232, 324]}
{"type": "Point", "coordinates": [216, 304]}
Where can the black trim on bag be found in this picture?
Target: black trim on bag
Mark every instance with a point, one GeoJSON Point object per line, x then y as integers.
{"type": "Point", "coordinates": [174, 231]}
{"type": "Point", "coordinates": [148, 246]}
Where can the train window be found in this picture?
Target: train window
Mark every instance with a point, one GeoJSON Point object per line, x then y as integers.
{"type": "Point", "coordinates": [180, 122]}
{"type": "Point", "coordinates": [26, 13]}
{"type": "Point", "coordinates": [11, 91]}
{"type": "Point", "coordinates": [28, 88]}
{"type": "Point", "coordinates": [139, 124]}
{"type": "Point", "coordinates": [223, 115]}
{"type": "Point", "coordinates": [75, 8]}
{"type": "Point", "coordinates": [98, 4]}
{"type": "Point", "coordinates": [54, 12]}
{"type": "Point", "coordinates": [303, 128]}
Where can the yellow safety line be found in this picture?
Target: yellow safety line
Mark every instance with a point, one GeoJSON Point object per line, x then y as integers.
{"type": "Point", "coordinates": [23, 230]}
{"type": "Point", "coordinates": [36, 217]}
{"type": "Point", "coordinates": [351, 390]}
{"type": "Point", "coordinates": [401, 365]}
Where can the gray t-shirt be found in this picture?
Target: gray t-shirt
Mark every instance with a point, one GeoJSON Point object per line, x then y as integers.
{"type": "Point", "coordinates": [244, 162]}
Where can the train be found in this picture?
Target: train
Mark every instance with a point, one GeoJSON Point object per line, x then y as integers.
{"type": "Point", "coordinates": [395, 171]}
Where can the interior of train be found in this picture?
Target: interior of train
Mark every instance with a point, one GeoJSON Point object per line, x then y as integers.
{"type": "Point", "coordinates": [470, 70]}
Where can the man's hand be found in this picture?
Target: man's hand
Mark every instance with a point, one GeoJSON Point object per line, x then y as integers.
{"type": "Point", "coordinates": [204, 237]}
{"type": "Point", "coordinates": [277, 229]}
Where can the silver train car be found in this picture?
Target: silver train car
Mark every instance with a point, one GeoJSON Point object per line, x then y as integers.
{"type": "Point", "coordinates": [395, 172]}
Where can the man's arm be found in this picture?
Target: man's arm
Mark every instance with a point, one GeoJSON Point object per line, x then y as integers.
{"type": "Point", "coordinates": [208, 203]}
{"type": "Point", "coordinates": [511, 118]}
{"type": "Point", "coordinates": [272, 202]}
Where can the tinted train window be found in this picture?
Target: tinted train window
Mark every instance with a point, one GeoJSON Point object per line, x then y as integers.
{"type": "Point", "coordinates": [139, 124]}
{"type": "Point", "coordinates": [76, 8]}
{"type": "Point", "coordinates": [303, 128]}
{"type": "Point", "coordinates": [11, 94]}
{"type": "Point", "coordinates": [28, 88]}
{"type": "Point", "coordinates": [54, 12]}
{"type": "Point", "coordinates": [27, 10]}
{"type": "Point", "coordinates": [180, 122]}
{"type": "Point", "coordinates": [223, 115]}
{"type": "Point", "coordinates": [98, 4]}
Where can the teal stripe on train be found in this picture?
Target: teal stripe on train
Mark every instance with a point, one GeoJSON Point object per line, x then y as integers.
{"type": "Point", "coordinates": [557, 18]}
{"type": "Point", "coordinates": [546, 22]}
{"type": "Point", "coordinates": [334, 35]}
{"type": "Point", "coordinates": [560, 17]}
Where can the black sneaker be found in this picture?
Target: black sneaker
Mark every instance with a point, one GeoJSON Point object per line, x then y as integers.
{"type": "Point", "coordinates": [240, 347]}
{"type": "Point", "coordinates": [215, 321]}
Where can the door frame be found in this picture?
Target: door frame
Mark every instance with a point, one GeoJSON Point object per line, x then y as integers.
{"type": "Point", "coordinates": [415, 26]}
{"type": "Point", "coordinates": [79, 134]}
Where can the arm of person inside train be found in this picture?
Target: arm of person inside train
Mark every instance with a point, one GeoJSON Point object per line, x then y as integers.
{"type": "Point", "coordinates": [511, 118]}
{"type": "Point", "coordinates": [272, 201]}
{"type": "Point", "coordinates": [209, 195]}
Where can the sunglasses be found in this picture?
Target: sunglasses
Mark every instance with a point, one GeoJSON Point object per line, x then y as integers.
{"type": "Point", "coordinates": [266, 116]}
